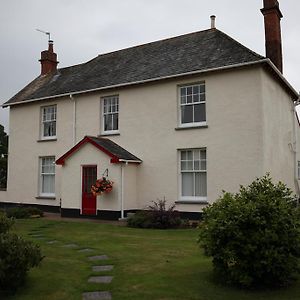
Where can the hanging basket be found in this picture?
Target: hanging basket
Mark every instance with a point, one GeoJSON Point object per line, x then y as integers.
{"type": "Point", "coordinates": [102, 185]}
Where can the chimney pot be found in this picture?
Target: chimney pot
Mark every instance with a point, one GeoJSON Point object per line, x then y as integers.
{"type": "Point", "coordinates": [48, 60]}
{"type": "Point", "coordinates": [213, 21]}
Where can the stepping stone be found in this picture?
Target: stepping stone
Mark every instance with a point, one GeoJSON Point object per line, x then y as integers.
{"type": "Point", "coordinates": [36, 235]}
{"type": "Point", "coordinates": [52, 242]}
{"type": "Point", "coordinates": [102, 268]}
{"type": "Point", "coordinates": [70, 246]}
{"type": "Point", "coordinates": [96, 296]}
{"type": "Point", "coordinates": [98, 257]}
{"type": "Point", "coordinates": [85, 250]}
{"type": "Point", "coordinates": [100, 279]}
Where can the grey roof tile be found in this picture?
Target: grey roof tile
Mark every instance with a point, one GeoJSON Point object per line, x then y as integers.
{"type": "Point", "coordinates": [196, 51]}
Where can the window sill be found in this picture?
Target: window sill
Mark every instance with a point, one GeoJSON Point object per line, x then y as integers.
{"type": "Point", "coordinates": [204, 202]}
{"type": "Point", "coordinates": [191, 127]}
{"type": "Point", "coordinates": [47, 140]}
{"type": "Point", "coordinates": [46, 197]}
{"type": "Point", "coordinates": [109, 134]}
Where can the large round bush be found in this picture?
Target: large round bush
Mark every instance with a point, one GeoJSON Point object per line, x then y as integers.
{"type": "Point", "coordinates": [254, 236]}
{"type": "Point", "coordinates": [17, 256]}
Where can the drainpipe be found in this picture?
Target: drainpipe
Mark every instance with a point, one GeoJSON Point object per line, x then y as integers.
{"type": "Point", "coordinates": [122, 191]}
{"type": "Point", "coordinates": [296, 125]}
{"type": "Point", "coordinates": [74, 118]}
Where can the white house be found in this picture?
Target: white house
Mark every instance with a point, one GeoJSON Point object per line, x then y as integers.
{"type": "Point", "coordinates": [182, 118]}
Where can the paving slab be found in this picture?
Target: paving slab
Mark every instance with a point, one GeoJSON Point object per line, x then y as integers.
{"type": "Point", "coordinates": [37, 235]}
{"type": "Point", "coordinates": [98, 257]}
{"type": "Point", "coordinates": [100, 279]}
{"type": "Point", "coordinates": [52, 242]}
{"type": "Point", "coordinates": [70, 246]}
{"type": "Point", "coordinates": [85, 250]}
{"type": "Point", "coordinates": [96, 296]}
{"type": "Point", "coordinates": [102, 268]}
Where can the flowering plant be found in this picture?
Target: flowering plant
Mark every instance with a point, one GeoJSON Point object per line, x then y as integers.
{"type": "Point", "coordinates": [102, 185]}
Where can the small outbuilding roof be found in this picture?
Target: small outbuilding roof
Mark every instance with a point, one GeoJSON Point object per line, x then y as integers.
{"type": "Point", "coordinates": [116, 152]}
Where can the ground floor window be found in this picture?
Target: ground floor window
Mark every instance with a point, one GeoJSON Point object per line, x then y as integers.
{"type": "Point", "coordinates": [47, 176]}
{"type": "Point", "coordinates": [193, 174]}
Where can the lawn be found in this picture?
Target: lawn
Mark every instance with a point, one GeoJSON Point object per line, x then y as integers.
{"type": "Point", "coordinates": [148, 264]}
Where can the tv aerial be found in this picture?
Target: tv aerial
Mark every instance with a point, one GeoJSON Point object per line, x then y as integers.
{"type": "Point", "coordinates": [45, 32]}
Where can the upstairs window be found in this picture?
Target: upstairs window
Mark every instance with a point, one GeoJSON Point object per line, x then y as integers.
{"type": "Point", "coordinates": [193, 174]}
{"type": "Point", "coordinates": [110, 114]}
{"type": "Point", "coordinates": [48, 128]}
{"type": "Point", "coordinates": [47, 176]}
{"type": "Point", "coordinates": [192, 105]}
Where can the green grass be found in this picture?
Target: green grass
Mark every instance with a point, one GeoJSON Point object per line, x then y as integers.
{"type": "Point", "coordinates": [148, 264]}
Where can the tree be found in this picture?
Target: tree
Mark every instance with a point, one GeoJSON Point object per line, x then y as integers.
{"type": "Point", "coordinates": [254, 236]}
{"type": "Point", "coordinates": [3, 157]}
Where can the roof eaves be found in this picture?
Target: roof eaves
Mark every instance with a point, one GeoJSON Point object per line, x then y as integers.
{"type": "Point", "coordinates": [259, 61]}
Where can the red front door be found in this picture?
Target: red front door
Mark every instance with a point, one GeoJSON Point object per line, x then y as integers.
{"type": "Point", "coordinates": [89, 177]}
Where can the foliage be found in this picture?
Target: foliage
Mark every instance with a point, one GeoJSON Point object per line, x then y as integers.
{"type": "Point", "coordinates": [17, 256]}
{"type": "Point", "coordinates": [3, 157]}
{"type": "Point", "coordinates": [157, 216]}
{"type": "Point", "coordinates": [20, 212]}
{"type": "Point", "coordinates": [102, 185]}
{"type": "Point", "coordinates": [254, 236]}
{"type": "Point", "coordinates": [5, 223]}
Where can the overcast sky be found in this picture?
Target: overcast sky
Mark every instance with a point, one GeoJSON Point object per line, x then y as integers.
{"type": "Point", "coordinates": [83, 29]}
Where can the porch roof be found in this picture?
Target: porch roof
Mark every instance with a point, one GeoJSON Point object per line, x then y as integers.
{"type": "Point", "coordinates": [116, 152]}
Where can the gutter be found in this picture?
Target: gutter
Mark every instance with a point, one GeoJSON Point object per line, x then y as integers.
{"type": "Point", "coordinates": [266, 60]}
{"type": "Point", "coordinates": [295, 150]}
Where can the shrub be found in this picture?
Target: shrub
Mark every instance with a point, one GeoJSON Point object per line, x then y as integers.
{"type": "Point", "coordinates": [5, 223]}
{"type": "Point", "coordinates": [17, 212]}
{"type": "Point", "coordinates": [254, 236]}
{"type": "Point", "coordinates": [157, 216]}
{"type": "Point", "coordinates": [16, 256]}
{"type": "Point", "coordinates": [20, 212]}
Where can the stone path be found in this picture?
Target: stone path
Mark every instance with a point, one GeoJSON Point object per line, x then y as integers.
{"type": "Point", "coordinates": [97, 295]}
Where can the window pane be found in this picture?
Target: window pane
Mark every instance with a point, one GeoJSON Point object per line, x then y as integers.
{"type": "Point", "coordinates": [203, 154]}
{"type": "Point", "coordinates": [199, 111]}
{"type": "Point", "coordinates": [203, 165]}
{"type": "Point", "coordinates": [182, 91]}
{"type": "Point", "coordinates": [197, 165]}
{"type": "Point", "coordinates": [189, 90]}
{"type": "Point", "coordinates": [48, 184]}
{"type": "Point", "coordinates": [108, 122]}
{"type": "Point", "coordinates": [189, 99]}
{"type": "Point", "coordinates": [115, 121]}
{"type": "Point", "coordinates": [187, 187]}
{"type": "Point", "coordinates": [202, 97]}
{"type": "Point", "coordinates": [190, 155]}
{"type": "Point", "coordinates": [184, 166]}
{"type": "Point", "coordinates": [196, 98]}
{"type": "Point", "coordinates": [202, 88]}
{"type": "Point", "coordinates": [187, 114]}
{"type": "Point", "coordinates": [195, 89]}
{"type": "Point", "coordinates": [200, 185]}
{"type": "Point", "coordinates": [183, 155]}
{"type": "Point", "coordinates": [183, 100]}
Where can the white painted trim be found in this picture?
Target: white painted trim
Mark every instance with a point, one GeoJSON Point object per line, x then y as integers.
{"type": "Point", "coordinates": [266, 60]}
{"type": "Point", "coordinates": [130, 161]}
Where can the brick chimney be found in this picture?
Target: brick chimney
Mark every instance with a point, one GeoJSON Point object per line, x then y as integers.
{"type": "Point", "coordinates": [272, 16]}
{"type": "Point", "coordinates": [48, 60]}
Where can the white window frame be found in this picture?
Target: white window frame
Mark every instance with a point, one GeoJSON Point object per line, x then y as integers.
{"type": "Point", "coordinates": [298, 169]}
{"type": "Point", "coordinates": [180, 105]}
{"type": "Point", "coordinates": [110, 97]}
{"type": "Point", "coordinates": [191, 198]}
{"type": "Point", "coordinates": [43, 122]}
{"type": "Point", "coordinates": [41, 174]}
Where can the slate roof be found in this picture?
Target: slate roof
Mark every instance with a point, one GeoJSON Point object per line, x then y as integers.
{"type": "Point", "coordinates": [187, 53]}
{"type": "Point", "coordinates": [116, 152]}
